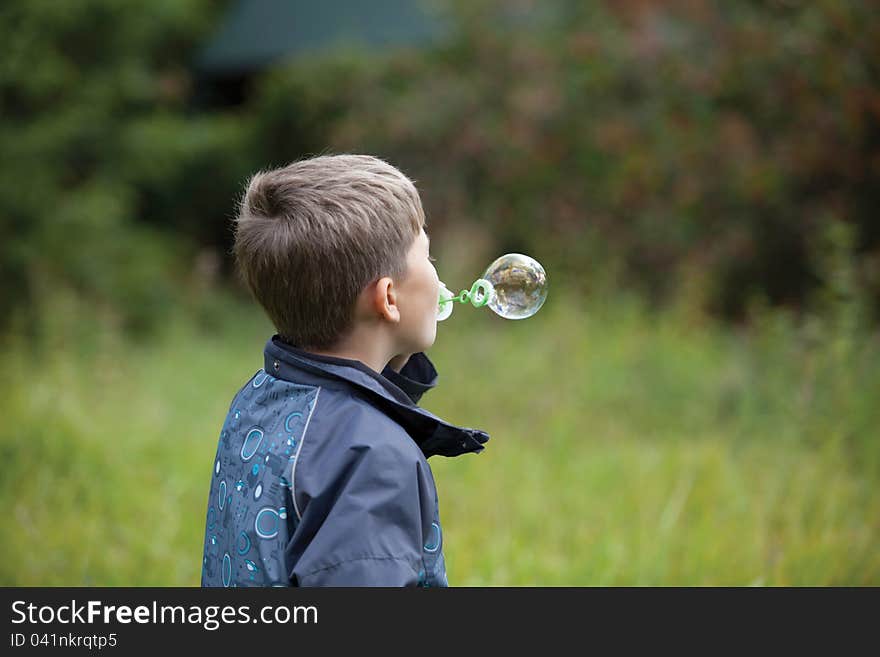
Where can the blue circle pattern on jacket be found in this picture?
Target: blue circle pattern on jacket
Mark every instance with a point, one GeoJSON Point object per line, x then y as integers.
{"type": "Point", "coordinates": [248, 525]}
{"type": "Point", "coordinates": [252, 515]}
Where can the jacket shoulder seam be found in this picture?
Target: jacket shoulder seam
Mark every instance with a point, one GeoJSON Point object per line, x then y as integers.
{"type": "Point", "coordinates": [302, 440]}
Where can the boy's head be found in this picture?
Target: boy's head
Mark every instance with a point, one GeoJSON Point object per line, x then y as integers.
{"type": "Point", "coordinates": [334, 243]}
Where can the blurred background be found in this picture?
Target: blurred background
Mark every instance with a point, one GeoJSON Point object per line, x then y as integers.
{"type": "Point", "coordinates": [698, 401]}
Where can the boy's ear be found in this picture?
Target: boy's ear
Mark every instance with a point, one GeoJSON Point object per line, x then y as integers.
{"type": "Point", "coordinates": [384, 299]}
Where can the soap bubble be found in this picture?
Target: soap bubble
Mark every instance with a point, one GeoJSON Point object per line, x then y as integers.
{"type": "Point", "coordinates": [520, 285]}
{"type": "Point", "coordinates": [514, 287]}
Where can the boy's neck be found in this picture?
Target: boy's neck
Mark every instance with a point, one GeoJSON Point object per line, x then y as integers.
{"type": "Point", "coordinates": [369, 350]}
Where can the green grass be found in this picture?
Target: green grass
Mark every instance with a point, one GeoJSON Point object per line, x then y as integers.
{"type": "Point", "coordinates": [628, 448]}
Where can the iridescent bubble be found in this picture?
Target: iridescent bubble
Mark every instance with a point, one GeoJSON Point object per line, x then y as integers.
{"type": "Point", "coordinates": [514, 287]}
{"type": "Point", "coordinates": [520, 285]}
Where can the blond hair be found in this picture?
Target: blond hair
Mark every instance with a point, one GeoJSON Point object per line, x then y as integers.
{"type": "Point", "coordinates": [310, 236]}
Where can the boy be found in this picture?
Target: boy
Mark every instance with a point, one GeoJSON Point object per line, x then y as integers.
{"type": "Point", "coordinates": [321, 477]}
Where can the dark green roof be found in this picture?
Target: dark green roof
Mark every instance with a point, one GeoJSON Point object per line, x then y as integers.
{"type": "Point", "coordinates": [256, 33]}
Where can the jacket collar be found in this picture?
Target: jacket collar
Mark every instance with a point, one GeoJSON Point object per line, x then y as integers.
{"type": "Point", "coordinates": [431, 434]}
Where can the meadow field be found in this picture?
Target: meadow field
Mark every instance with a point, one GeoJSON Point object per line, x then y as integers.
{"type": "Point", "coordinates": [628, 447]}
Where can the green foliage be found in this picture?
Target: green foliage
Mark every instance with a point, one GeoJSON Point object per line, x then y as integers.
{"type": "Point", "coordinates": [722, 156]}
{"type": "Point", "coordinates": [676, 140]}
{"type": "Point", "coordinates": [690, 146]}
{"type": "Point", "coordinates": [669, 450]}
{"type": "Point", "coordinates": [666, 450]}
{"type": "Point", "coordinates": [99, 154]}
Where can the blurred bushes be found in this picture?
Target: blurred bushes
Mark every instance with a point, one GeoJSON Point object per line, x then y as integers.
{"type": "Point", "coordinates": [665, 141]}
{"type": "Point", "coordinates": [106, 174]}
{"type": "Point", "coordinates": [692, 147]}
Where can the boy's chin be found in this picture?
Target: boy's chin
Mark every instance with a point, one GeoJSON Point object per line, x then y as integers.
{"type": "Point", "coordinates": [422, 346]}
{"type": "Point", "coordinates": [433, 339]}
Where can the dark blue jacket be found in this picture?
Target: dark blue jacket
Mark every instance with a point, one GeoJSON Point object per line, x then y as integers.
{"type": "Point", "coordinates": [321, 476]}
